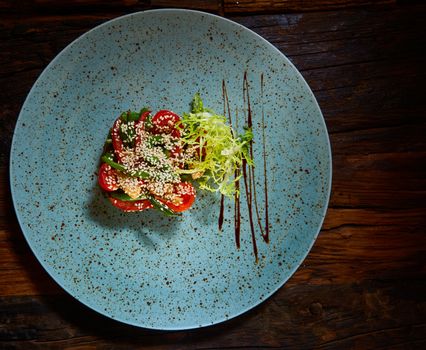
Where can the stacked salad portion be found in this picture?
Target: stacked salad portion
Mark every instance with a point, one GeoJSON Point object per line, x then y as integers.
{"type": "Point", "coordinates": [156, 160]}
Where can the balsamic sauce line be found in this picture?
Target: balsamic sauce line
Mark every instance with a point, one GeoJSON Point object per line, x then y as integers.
{"type": "Point", "coordinates": [250, 209]}
{"type": "Point", "coordinates": [225, 102]}
{"type": "Point", "coordinates": [221, 212]}
{"type": "Point", "coordinates": [248, 174]}
{"type": "Point", "coordinates": [237, 209]}
{"type": "Point", "coordinates": [226, 107]}
{"type": "Point", "coordinates": [265, 170]}
{"type": "Point", "coordinates": [252, 179]}
{"type": "Point", "coordinates": [250, 186]}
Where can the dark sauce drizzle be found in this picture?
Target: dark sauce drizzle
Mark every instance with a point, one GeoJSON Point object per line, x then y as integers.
{"type": "Point", "coordinates": [237, 211]}
{"type": "Point", "coordinates": [248, 175]}
{"type": "Point", "coordinates": [220, 221]}
{"type": "Point", "coordinates": [237, 215]}
{"type": "Point", "coordinates": [265, 234]}
{"type": "Point", "coordinates": [251, 169]}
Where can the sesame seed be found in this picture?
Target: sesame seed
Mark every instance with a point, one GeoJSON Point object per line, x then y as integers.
{"type": "Point", "coordinates": [151, 158]}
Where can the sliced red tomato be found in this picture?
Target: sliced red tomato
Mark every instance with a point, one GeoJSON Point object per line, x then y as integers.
{"type": "Point", "coordinates": [117, 143]}
{"type": "Point", "coordinates": [176, 151]}
{"type": "Point", "coordinates": [143, 116]}
{"type": "Point", "coordinates": [107, 178]}
{"type": "Point", "coordinates": [164, 122]}
{"type": "Point", "coordinates": [175, 133]}
{"type": "Point", "coordinates": [186, 194]}
{"type": "Point", "coordinates": [131, 205]}
{"type": "Point", "coordinates": [139, 124]}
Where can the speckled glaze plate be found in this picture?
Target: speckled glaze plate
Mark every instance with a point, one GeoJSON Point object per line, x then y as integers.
{"type": "Point", "coordinates": [142, 268]}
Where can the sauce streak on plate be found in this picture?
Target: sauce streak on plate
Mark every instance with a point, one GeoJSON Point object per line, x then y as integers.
{"type": "Point", "coordinates": [248, 176]}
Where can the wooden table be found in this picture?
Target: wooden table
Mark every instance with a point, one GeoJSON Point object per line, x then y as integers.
{"type": "Point", "coordinates": [363, 284]}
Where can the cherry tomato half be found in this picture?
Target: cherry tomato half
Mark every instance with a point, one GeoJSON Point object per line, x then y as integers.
{"type": "Point", "coordinates": [117, 143]}
{"type": "Point", "coordinates": [143, 116]}
{"type": "Point", "coordinates": [176, 151]}
{"type": "Point", "coordinates": [186, 193]}
{"type": "Point", "coordinates": [164, 122]}
{"type": "Point", "coordinates": [107, 178]}
{"type": "Point", "coordinates": [140, 125]}
{"type": "Point", "coordinates": [131, 205]}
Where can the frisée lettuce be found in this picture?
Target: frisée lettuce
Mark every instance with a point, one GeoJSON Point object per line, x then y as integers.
{"type": "Point", "coordinates": [219, 151]}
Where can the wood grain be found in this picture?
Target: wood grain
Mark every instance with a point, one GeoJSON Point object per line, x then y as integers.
{"type": "Point", "coordinates": [205, 5]}
{"type": "Point", "coordinates": [219, 6]}
{"type": "Point", "coordinates": [363, 284]}
{"type": "Point", "coordinates": [70, 6]}
{"type": "Point", "coordinates": [321, 317]}
{"type": "Point", "coordinates": [250, 6]}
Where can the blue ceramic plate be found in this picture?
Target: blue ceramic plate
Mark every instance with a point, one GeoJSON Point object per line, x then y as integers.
{"type": "Point", "coordinates": [142, 268]}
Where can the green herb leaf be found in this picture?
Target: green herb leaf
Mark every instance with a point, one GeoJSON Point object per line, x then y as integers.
{"type": "Point", "coordinates": [123, 117]}
{"type": "Point", "coordinates": [197, 104]}
{"type": "Point", "coordinates": [109, 159]}
{"type": "Point", "coordinates": [162, 207]}
{"type": "Point", "coordinates": [143, 110]}
{"type": "Point", "coordinates": [133, 116]}
{"type": "Point", "coordinates": [148, 122]}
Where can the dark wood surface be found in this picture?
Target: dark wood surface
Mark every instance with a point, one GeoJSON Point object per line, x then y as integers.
{"type": "Point", "coordinates": [363, 284]}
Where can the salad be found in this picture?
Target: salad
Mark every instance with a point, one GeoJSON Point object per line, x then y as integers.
{"type": "Point", "coordinates": [155, 160]}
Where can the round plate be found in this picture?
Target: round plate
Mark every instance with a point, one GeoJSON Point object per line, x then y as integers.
{"type": "Point", "coordinates": [142, 268]}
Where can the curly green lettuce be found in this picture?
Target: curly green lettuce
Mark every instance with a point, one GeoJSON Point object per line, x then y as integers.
{"type": "Point", "coordinates": [220, 153]}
